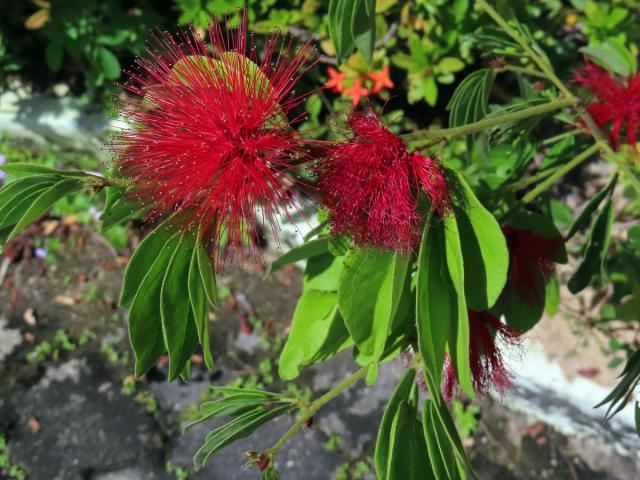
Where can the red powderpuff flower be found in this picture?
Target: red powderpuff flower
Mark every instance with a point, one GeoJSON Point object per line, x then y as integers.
{"type": "Point", "coordinates": [485, 358]}
{"type": "Point", "coordinates": [530, 255]}
{"type": "Point", "coordinates": [210, 138]}
{"type": "Point", "coordinates": [371, 184]}
{"type": "Point", "coordinates": [616, 103]}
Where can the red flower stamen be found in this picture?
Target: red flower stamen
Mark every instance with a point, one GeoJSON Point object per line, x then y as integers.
{"type": "Point", "coordinates": [485, 358]}
{"type": "Point", "coordinates": [370, 184]}
{"type": "Point", "coordinates": [615, 103]}
{"type": "Point", "coordinates": [211, 140]}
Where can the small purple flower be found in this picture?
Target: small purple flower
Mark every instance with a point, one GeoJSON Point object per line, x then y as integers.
{"type": "Point", "coordinates": [95, 213]}
{"type": "Point", "coordinates": [40, 252]}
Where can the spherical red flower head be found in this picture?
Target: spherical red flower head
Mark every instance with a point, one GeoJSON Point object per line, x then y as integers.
{"type": "Point", "coordinates": [371, 185]}
{"type": "Point", "coordinates": [530, 255]}
{"type": "Point", "coordinates": [615, 102]}
{"type": "Point", "coordinates": [485, 358]}
{"type": "Point", "coordinates": [210, 138]}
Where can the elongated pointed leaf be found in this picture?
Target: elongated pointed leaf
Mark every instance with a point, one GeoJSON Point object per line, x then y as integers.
{"type": "Point", "coordinates": [435, 302]}
{"type": "Point", "coordinates": [459, 339]}
{"type": "Point", "coordinates": [145, 327]}
{"type": "Point", "coordinates": [592, 264]}
{"type": "Point", "coordinates": [587, 212]}
{"type": "Point", "coordinates": [207, 274]}
{"type": "Point", "coordinates": [308, 249]}
{"type": "Point", "coordinates": [440, 449]}
{"type": "Point", "coordinates": [44, 201]}
{"type": "Point", "coordinates": [12, 211]}
{"type": "Point", "coordinates": [408, 454]}
{"type": "Point", "coordinates": [23, 169]}
{"type": "Point", "coordinates": [363, 27]}
{"type": "Point", "coordinates": [119, 208]}
{"type": "Point", "coordinates": [175, 306]}
{"type": "Point", "coordinates": [199, 307]}
{"type": "Point", "coordinates": [401, 393]}
{"type": "Point", "coordinates": [484, 250]}
{"type": "Point", "coordinates": [141, 260]}
{"type": "Point", "coordinates": [239, 427]}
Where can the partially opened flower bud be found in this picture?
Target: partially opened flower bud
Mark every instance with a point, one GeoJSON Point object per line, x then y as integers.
{"type": "Point", "coordinates": [210, 138]}
{"type": "Point", "coordinates": [371, 185]}
{"type": "Point", "coordinates": [485, 357]}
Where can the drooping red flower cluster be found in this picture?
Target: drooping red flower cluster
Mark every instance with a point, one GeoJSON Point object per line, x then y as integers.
{"type": "Point", "coordinates": [371, 186]}
{"type": "Point", "coordinates": [485, 358]}
{"type": "Point", "coordinates": [210, 138]}
{"type": "Point", "coordinates": [530, 255]}
{"type": "Point", "coordinates": [615, 103]}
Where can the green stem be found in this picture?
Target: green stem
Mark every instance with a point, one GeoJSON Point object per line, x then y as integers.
{"type": "Point", "coordinates": [551, 179]}
{"type": "Point", "coordinates": [542, 62]}
{"type": "Point", "coordinates": [489, 122]}
{"type": "Point", "coordinates": [562, 136]}
{"type": "Point", "coordinates": [523, 70]}
{"type": "Point", "coordinates": [314, 407]}
{"type": "Point", "coordinates": [525, 182]}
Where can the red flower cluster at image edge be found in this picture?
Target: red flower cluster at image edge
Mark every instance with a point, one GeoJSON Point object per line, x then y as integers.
{"type": "Point", "coordinates": [615, 102]}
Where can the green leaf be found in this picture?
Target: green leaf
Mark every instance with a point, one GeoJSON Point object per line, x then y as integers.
{"type": "Point", "coordinates": [637, 417]}
{"type": "Point", "coordinates": [368, 296]}
{"type": "Point", "coordinates": [340, 31]}
{"type": "Point", "coordinates": [237, 428]}
{"type": "Point", "coordinates": [323, 273]}
{"type": "Point", "coordinates": [175, 306]}
{"type": "Point", "coordinates": [629, 379]}
{"type": "Point", "coordinates": [22, 169]}
{"type": "Point", "coordinates": [587, 212]}
{"type": "Point", "coordinates": [363, 27]}
{"type": "Point", "coordinates": [144, 322]}
{"type": "Point", "coordinates": [459, 340]}
{"type": "Point", "coordinates": [143, 257]}
{"type": "Point", "coordinates": [612, 56]}
{"type": "Point", "coordinates": [441, 451]}
{"type": "Point", "coordinates": [408, 455]}
{"type": "Point", "coordinates": [199, 306]}
{"type": "Point", "coordinates": [17, 200]}
{"type": "Point", "coordinates": [592, 264]}
{"type": "Point", "coordinates": [317, 333]}
{"type": "Point", "coordinates": [270, 474]}
{"type": "Point", "coordinates": [309, 249]}
{"type": "Point", "coordinates": [231, 405]}
{"type": "Point", "coordinates": [207, 274]}
{"type": "Point", "coordinates": [434, 318]}
{"type": "Point", "coordinates": [53, 55]}
{"type": "Point", "coordinates": [119, 208]}
{"type": "Point", "coordinates": [484, 250]}
{"type": "Point", "coordinates": [469, 102]}
{"type": "Point", "coordinates": [44, 201]}
{"type": "Point", "coordinates": [400, 394]}
{"type": "Point", "coordinates": [109, 63]}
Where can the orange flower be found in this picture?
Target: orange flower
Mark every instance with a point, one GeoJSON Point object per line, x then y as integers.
{"type": "Point", "coordinates": [336, 80]}
{"type": "Point", "coordinates": [356, 92]}
{"type": "Point", "coordinates": [380, 80]}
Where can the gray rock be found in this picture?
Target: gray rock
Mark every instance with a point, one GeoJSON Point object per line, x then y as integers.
{"type": "Point", "coordinates": [86, 425]}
